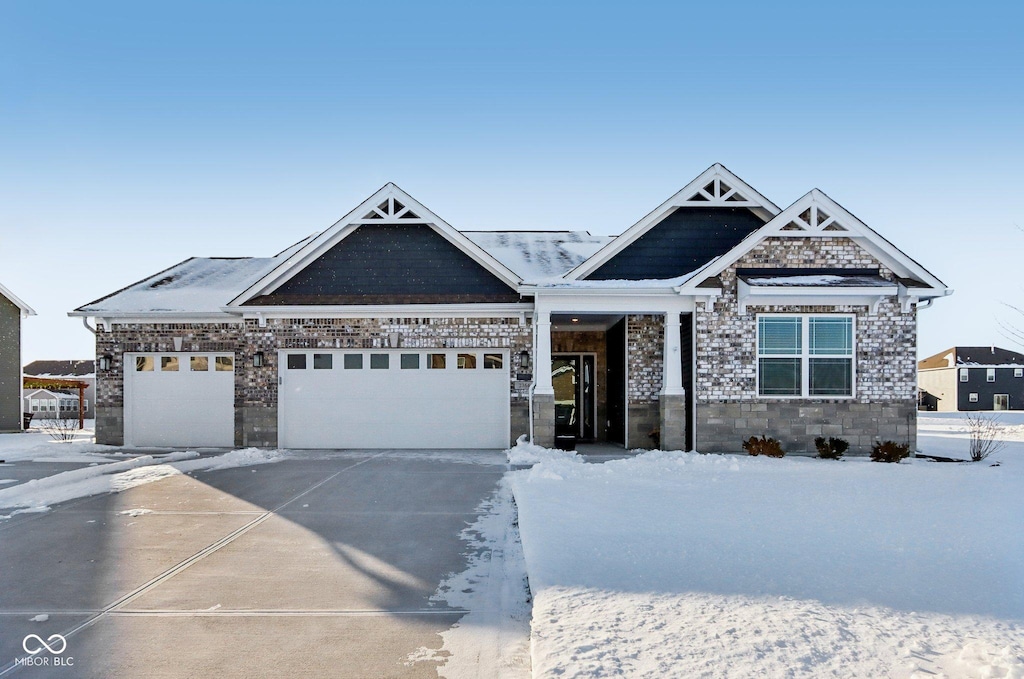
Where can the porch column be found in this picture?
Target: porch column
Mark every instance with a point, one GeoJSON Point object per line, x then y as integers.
{"type": "Point", "coordinates": [672, 399]}
{"type": "Point", "coordinates": [543, 393]}
{"type": "Point", "coordinates": [542, 354]}
{"type": "Point", "coordinates": [672, 370]}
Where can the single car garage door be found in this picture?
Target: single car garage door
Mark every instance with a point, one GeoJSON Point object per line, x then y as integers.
{"type": "Point", "coordinates": [394, 398]}
{"type": "Point", "coordinates": [179, 399]}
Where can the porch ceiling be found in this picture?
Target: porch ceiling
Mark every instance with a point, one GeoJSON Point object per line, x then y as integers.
{"type": "Point", "coordinates": [583, 322]}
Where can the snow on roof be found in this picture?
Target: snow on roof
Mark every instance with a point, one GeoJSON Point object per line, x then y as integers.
{"type": "Point", "coordinates": [198, 285]}
{"type": "Point", "coordinates": [538, 256]}
{"type": "Point", "coordinates": [820, 280]}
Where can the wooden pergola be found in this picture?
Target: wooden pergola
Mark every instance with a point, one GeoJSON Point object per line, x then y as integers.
{"type": "Point", "coordinates": [61, 384]}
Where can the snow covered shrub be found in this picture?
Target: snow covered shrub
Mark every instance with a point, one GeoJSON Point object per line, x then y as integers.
{"type": "Point", "coordinates": [831, 448]}
{"type": "Point", "coordinates": [656, 437]}
{"type": "Point", "coordinates": [60, 428]}
{"type": "Point", "coordinates": [763, 446]}
{"type": "Point", "coordinates": [983, 431]}
{"type": "Point", "coordinates": [890, 451]}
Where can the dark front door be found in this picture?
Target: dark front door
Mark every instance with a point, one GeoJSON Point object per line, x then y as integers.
{"type": "Point", "coordinates": [572, 376]}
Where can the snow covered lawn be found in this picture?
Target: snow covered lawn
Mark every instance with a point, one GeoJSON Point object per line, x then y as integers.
{"type": "Point", "coordinates": [688, 565]}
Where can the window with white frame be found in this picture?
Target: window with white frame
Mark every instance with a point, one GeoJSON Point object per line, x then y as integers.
{"type": "Point", "coordinates": [990, 374]}
{"type": "Point", "coordinates": [964, 374]}
{"type": "Point", "coordinates": [805, 355]}
{"type": "Point", "coordinates": [1018, 372]}
{"type": "Point", "coordinates": [972, 397]}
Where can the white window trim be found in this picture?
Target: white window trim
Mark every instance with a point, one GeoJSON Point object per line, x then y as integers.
{"type": "Point", "coordinates": [805, 356]}
{"type": "Point", "coordinates": [990, 374]}
{"type": "Point", "coordinates": [1018, 372]}
{"type": "Point", "coordinates": [972, 397]}
{"type": "Point", "coordinates": [964, 374]}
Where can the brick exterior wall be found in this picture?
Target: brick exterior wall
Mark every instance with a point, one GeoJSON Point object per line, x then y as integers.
{"type": "Point", "coordinates": [645, 351]}
{"type": "Point", "coordinates": [256, 388]}
{"type": "Point", "coordinates": [726, 346]}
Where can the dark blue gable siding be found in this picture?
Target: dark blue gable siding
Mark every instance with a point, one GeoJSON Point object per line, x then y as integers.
{"type": "Point", "coordinates": [392, 264]}
{"type": "Point", "coordinates": [685, 240]}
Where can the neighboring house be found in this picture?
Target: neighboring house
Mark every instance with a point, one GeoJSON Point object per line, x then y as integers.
{"type": "Point", "coordinates": [716, 317]}
{"type": "Point", "coordinates": [972, 378]}
{"type": "Point", "coordinates": [12, 311]}
{"type": "Point", "coordinates": [48, 405]}
{"type": "Point", "coordinates": [82, 370]}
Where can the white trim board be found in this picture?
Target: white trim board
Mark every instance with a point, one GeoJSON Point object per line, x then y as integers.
{"type": "Point", "coordinates": [26, 310]}
{"type": "Point", "coordinates": [341, 229]}
{"type": "Point", "coordinates": [715, 176]}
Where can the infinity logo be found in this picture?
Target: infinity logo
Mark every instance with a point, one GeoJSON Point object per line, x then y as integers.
{"type": "Point", "coordinates": [58, 641]}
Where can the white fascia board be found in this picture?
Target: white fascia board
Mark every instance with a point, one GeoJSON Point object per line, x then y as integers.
{"type": "Point", "coordinates": [157, 317]}
{"type": "Point", "coordinates": [614, 302]}
{"type": "Point", "coordinates": [811, 295]}
{"type": "Point", "coordinates": [352, 221]}
{"type": "Point", "coordinates": [866, 237]}
{"type": "Point", "coordinates": [534, 291]}
{"type": "Point", "coordinates": [385, 311]}
{"type": "Point", "coordinates": [634, 232]}
{"type": "Point", "coordinates": [26, 310]}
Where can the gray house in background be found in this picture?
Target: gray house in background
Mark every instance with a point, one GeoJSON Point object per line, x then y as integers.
{"type": "Point", "coordinates": [82, 370]}
{"type": "Point", "coordinates": [972, 378]}
{"type": "Point", "coordinates": [12, 310]}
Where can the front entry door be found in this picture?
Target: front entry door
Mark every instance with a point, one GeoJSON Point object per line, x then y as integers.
{"type": "Point", "coordinates": [1001, 402]}
{"type": "Point", "coordinates": [572, 376]}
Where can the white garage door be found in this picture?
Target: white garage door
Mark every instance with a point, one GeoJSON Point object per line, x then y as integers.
{"type": "Point", "coordinates": [180, 399]}
{"type": "Point", "coordinates": [394, 398]}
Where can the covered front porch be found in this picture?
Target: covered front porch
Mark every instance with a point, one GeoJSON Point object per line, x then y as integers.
{"type": "Point", "coordinates": [620, 369]}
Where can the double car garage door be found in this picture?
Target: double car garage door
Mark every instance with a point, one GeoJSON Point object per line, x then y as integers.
{"type": "Point", "coordinates": [437, 398]}
{"type": "Point", "coordinates": [382, 398]}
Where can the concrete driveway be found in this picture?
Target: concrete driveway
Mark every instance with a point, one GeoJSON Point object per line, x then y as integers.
{"type": "Point", "coordinates": [319, 565]}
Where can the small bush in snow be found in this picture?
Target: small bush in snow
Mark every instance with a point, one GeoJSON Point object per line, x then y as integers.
{"type": "Point", "coordinates": [983, 432]}
{"type": "Point", "coordinates": [890, 451]}
{"type": "Point", "coordinates": [60, 428]}
{"type": "Point", "coordinates": [655, 436]}
{"type": "Point", "coordinates": [763, 446]}
{"type": "Point", "coordinates": [831, 448]}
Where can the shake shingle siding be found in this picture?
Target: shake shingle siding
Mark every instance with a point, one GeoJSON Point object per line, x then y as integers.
{"type": "Point", "coordinates": [392, 264]}
{"type": "Point", "coordinates": [682, 242]}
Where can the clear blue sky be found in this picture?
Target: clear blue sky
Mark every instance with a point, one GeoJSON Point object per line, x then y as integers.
{"type": "Point", "coordinates": [134, 135]}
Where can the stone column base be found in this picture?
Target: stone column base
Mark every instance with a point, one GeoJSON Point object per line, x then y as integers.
{"type": "Point", "coordinates": [110, 426]}
{"type": "Point", "coordinates": [544, 420]}
{"type": "Point", "coordinates": [672, 409]}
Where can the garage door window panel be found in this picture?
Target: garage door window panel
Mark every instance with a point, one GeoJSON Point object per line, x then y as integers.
{"type": "Point", "coordinates": [379, 361]}
{"type": "Point", "coordinates": [144, 364]}
{"type": "Point", "coordinates": [493, 361]}
{"type": "Point", "coordinates": [436, 361]}
{"type": "Point", "coordinates": [169, 363]}
{"type": "Point", "coordinates": [467, 362]}
{"type": "Point", "coordinates": [224, 363]}
{"type": "Point", "coordinates": [198, 364]}
{"type": "Point", "coordinates": [410, 361]}
{"type": "Point", "coordinates": [296, 361]}
{"type": "Point", "coordinates": [353, 361]}
{"type": "Point", "coordinates": [323, 361]}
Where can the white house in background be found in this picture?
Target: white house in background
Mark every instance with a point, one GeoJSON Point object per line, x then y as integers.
{"type": "Point", "coordinates": [45, 404]}
{"type": "Point", "coordinates": [717, 316]}
{"type": "Point", "coordinates": [74, 371]}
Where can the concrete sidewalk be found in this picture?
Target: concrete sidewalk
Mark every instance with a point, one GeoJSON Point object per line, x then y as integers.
{"type": "Point", "coordinates": [308, 567]}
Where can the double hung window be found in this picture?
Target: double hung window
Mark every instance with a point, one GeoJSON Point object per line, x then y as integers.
{"type": "Point", "coordinates": [805, 355]}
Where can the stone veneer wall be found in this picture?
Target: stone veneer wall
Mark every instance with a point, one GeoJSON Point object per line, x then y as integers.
{"type": "Point", "coordinates": [728, 407]}
{"type": "Point", "coordinates": [256, 388]}
{"type": "Point", "coordinates": [645, 351]}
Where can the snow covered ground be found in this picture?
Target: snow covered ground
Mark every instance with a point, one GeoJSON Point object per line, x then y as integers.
{"type": "Point", "coordinates": [687, 565]}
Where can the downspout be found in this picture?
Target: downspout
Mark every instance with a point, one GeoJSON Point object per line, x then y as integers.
{"type": "Point", "coordinates": [85, 322]}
